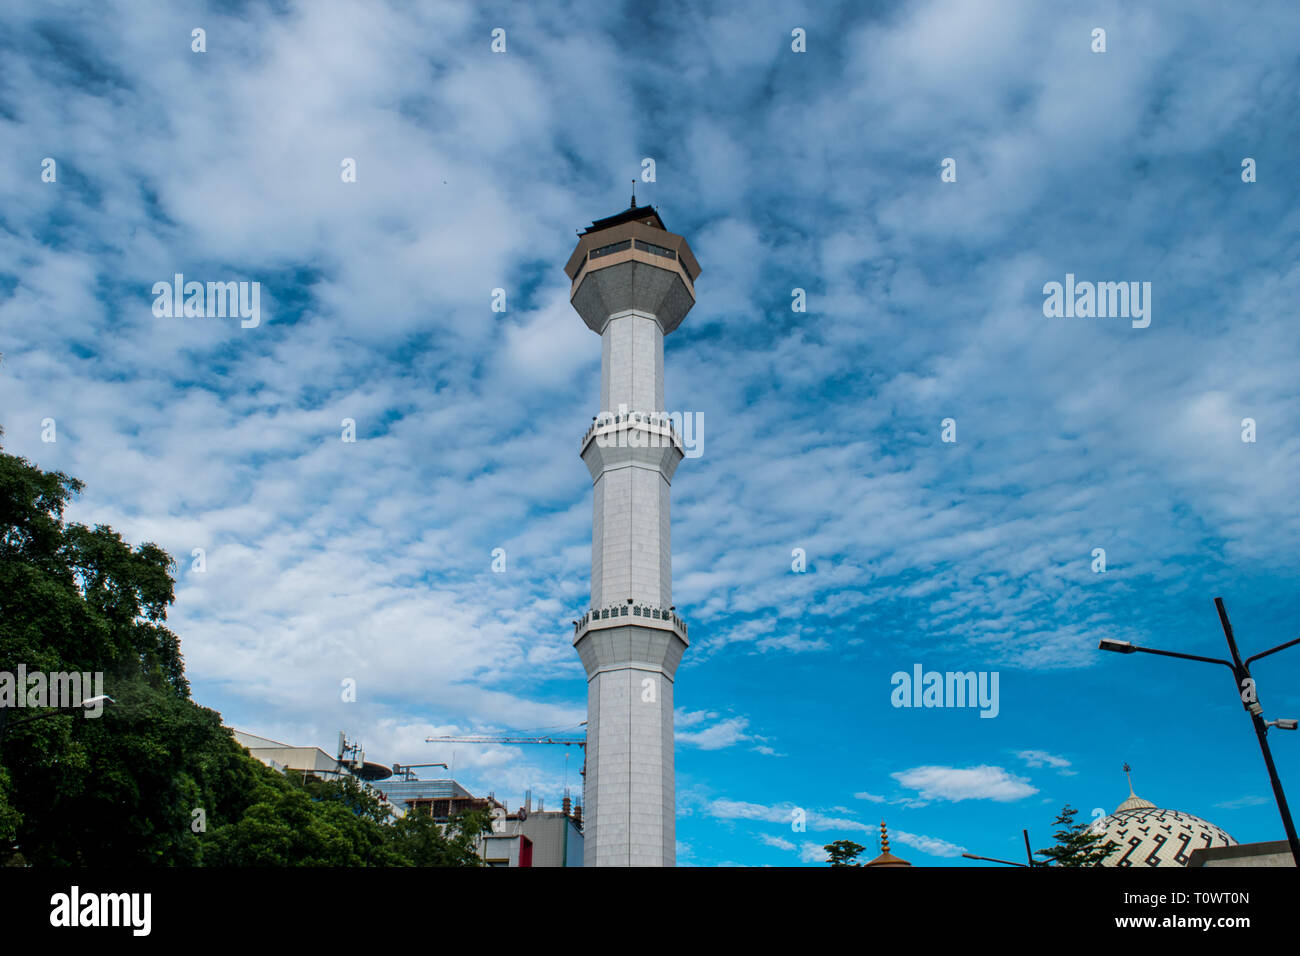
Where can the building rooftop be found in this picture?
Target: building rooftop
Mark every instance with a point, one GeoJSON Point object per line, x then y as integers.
{"type": "Point", "coordinates": [632, 213]}
{"type": "Point", "coordinates": [396, 789]}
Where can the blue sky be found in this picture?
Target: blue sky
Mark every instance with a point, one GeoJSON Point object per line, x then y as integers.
{"type": "Point", "coordinates": [819, 170]}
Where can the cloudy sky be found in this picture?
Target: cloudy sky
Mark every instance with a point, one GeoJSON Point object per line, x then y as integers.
{"type": "Point", "coordinates": [327, 560]}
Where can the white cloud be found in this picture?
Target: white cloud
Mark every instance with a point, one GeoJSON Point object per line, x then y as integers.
{"type": "Point", "coordinates": [779, 842]}
{"type": "Point", "coordinates": [969, 783]}
{"type": "Point", "coordinates": [930, 845]}
{"type": "Point", "coordinates": [690, 718]}
{"type": "Point", "coordinates": [1239, 802]}
{"type": "Point", "coordinates": [1040, 758]}
{"type": "Point", "coordinates": [810, 852]}
{"type": "Point", "coordinates": [786, 813]}
{"type": "Point", "coordinates": [724, 733]}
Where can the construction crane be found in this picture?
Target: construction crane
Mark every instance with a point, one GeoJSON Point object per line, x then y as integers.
{"type": "Point", "coordinates": [407, 771]}
{"type": "Point", "coordinates": [566, 741]}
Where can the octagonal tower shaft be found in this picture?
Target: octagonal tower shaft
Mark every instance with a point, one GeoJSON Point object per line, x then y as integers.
{"type": "Point", "coordinates": [633, 282]}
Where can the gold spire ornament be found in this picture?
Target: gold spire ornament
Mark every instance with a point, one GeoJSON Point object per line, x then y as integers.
{"type": "Point", "coordinates": [886, 858]}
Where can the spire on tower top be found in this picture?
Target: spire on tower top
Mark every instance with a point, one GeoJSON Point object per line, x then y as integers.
{"type": "Point", "coordinates": [886, 858]}
{"type": "Point", "coordinates": [633, 206]}
{"type": "Point", "coordinates": [1134, 802]}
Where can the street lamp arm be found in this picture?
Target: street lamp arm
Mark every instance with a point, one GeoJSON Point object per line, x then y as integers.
{"type": "Point", "coordinates": [1272, 650]}
{"type": "Point", "coordinates": [993, 859]}
{"type": "Point", "coordinates": [6, 721]}
{"type": "Point", "coordinates": [1186, 657]}
{"type": "Point", "coordinates": [53, 712]}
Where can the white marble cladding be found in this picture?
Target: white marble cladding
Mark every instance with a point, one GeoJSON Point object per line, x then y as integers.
{"type": "Point", "coordinates": [630, 661]}
{"type": "Point", "coordinates": [632, 362]}
{"type": "Point", "coordinates": [631, 548]}
{"type": "Point", "coordinates": [630, 786]}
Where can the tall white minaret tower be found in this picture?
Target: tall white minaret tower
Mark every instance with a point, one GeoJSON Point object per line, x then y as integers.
{"type": "Point", "coordinates": [633, 283]}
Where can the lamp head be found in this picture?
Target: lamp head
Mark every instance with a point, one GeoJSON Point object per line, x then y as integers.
{"type": "Point", "coordinates": [1119, 647]}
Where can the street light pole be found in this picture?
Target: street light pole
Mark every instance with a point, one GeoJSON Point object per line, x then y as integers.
{"type": "Point", "coordinates": [1249, 699]}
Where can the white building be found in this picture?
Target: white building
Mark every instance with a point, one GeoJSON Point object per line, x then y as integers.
{"type": "Point", "coordinates": [281, 756]}
{"type": "Point", "coordinates": [541, 838]}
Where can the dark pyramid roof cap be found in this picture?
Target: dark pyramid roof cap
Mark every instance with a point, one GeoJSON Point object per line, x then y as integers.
{"type": "Point", "coordinates": [644, 214]}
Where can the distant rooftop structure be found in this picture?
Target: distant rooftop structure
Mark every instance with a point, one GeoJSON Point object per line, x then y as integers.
{"type": "Point", "coordinates": [281, 756]}
{"type": "Point", "coordinates": [442, 799]}
{"type": "Point", "coordinates": [541, 838]}
{"type": "Point", "coordinates": [252, 740]}
{"type": "Point", "coordinates": [1272, 853]}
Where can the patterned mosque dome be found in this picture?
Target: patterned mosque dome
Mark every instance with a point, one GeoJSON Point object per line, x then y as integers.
{"type": "Point", "coordinates": [1139, 833]}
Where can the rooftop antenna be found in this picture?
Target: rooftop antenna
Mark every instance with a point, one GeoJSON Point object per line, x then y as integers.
{"type": "Point", "coordinates": [633, 206]}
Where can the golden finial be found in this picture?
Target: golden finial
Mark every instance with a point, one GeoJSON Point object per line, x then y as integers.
{"type": "Point", "coordinates": [884, 838]}
{"type": "Point", "coordinates": [1127, 773]}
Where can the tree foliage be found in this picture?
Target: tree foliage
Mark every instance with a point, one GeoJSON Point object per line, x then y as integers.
{"type": "Point", "coordinates": [844, 853]}
{"type": "Point", "coordinates": [1077, 844]}
{"type": "Point", "coordinates": [417, 838]}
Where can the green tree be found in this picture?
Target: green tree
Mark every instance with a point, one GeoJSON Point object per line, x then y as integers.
{"type": "Point", "coordinates": [1077, 844]}
{"type": "Point", "coordinates": [296, 822]}
{"type": "Point", "coordinates": [422, 842]}
{"type": "Point", "coordinates": [844, 852]}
